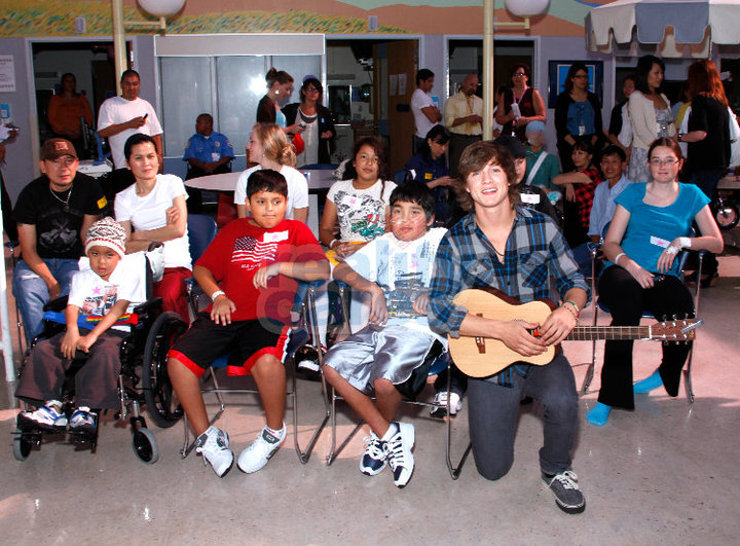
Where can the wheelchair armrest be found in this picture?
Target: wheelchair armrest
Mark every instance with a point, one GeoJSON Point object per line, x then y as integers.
{"type": "Point", "coordinates": [150, 306]}
{"type": "Point", "coordinates": [57, 304]}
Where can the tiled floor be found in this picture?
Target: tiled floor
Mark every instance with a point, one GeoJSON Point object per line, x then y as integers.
{"type": "Point", "coordinates": [665, 473]}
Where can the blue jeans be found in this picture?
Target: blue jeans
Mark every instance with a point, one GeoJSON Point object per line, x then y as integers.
{"type": "Point", "coordinates": [31, 293]}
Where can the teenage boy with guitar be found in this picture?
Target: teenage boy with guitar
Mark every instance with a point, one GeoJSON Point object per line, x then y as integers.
{"type": "Point", "coordinates": [521, 253]}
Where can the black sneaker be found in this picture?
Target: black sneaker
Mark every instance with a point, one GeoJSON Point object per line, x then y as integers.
{"type": "Point", "coordinates": [375, 458]}
{"type": "Point", "coordinates": [568, 495]}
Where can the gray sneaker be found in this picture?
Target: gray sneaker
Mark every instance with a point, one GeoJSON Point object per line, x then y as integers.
{"type": "Point", "coordinates": [568, 495]}
{"type": "Point", "coordinates": [213, 446]}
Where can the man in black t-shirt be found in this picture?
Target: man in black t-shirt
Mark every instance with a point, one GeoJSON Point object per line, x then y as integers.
{"type": "Point", "coordinates": [53, 214]}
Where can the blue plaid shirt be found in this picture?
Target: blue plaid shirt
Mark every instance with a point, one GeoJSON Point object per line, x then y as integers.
{"type": "Point", "coordinates": [536, 260]}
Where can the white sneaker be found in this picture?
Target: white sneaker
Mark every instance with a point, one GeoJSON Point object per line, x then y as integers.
{"type": "Point", "coordinates": [49, 417]}
{"type": "Point", "coordinates": [259, 452]}
{"type": "Point", "coordinates": [213, 446]}
{"type": "Point", "coordinates": [400, 458]}
{"type": "Point", "coordinates": [440, 401]}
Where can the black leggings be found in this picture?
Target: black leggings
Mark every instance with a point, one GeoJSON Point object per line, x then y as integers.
{"type": "Point", "coordinates": [626, 300]}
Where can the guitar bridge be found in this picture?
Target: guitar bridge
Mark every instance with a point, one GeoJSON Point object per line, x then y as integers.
{"type": "Point", "coordinates": [480, 341]}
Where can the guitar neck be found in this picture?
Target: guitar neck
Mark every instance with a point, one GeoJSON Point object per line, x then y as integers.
{"type": "Point", "coordinates": [588, 333]}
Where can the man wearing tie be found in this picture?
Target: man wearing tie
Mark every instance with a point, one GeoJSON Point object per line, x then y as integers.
{"type": "Point", "coordinates": [463, 118]}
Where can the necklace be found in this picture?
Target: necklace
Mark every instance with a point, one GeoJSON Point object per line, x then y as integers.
{"type": "Point", "coordinates": [499, 254]}
{"type": "Point", "coordinates": [65, 202]}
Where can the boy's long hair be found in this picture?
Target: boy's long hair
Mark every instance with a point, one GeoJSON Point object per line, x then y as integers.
{"type": "Point", "coordinates": [417, 193]}
{"type": "Point", "coordinates": [266, 180]}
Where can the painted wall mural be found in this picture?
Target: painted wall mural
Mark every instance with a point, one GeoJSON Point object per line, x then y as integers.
{"type": "Point", "coordinates": [27, 18]}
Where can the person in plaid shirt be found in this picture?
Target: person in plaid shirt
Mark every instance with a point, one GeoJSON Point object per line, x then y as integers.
{"type": "Point", "coordinates": [521, 252]}
{"type": "Point", "coordinates": [580, 186]}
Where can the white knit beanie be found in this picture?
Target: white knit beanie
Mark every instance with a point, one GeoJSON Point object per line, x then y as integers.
{"type": "Point", "coordinates": [109, 233]}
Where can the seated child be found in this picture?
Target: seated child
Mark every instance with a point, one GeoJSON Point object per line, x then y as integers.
{"type": "Point", "coordinates": [257, 261]}
{"type": "Point", "coordinates": [109, 288]}
{"type": "Point", "coordinates": [395, 270]}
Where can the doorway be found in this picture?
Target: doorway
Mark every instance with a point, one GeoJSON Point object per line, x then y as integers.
{"type": "Point", "coordinates": [92, 64]}
{"type": "Point", "coordinates": [360, 69]}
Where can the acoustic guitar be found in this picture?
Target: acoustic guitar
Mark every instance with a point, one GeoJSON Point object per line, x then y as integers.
{"type": "Point", "coordinates": [481, 357]}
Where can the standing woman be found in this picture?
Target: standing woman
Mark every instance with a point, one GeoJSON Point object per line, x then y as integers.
{"type": "Point", "coordinates": [318, 134]}
{"type": "Point", "coordinates": [708, 139]}
{"type": "Point", "coordinates": [65, 111]}
{"type": "Point", "coordinates": [269, 147]}
{"type": "Point", "coordinates": [651, 225]}
{"type": "Point", "coordinates": [279, 89]}
{"type": "Point", "coordinates": [529, 104]}
{"type": "Point", "coordinates": [153, 209]}
{"type": "Point", "coordinates": [650, 115]}
{"type": "Point", "coordinates": [577, 115]}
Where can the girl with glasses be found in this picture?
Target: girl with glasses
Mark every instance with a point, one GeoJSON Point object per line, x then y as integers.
{"type": "Point", "coordinates": [651, 225]}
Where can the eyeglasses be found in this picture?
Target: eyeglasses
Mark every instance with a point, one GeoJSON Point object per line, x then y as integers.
{"type": "Point", "coordinates": [520, 74]}
{"type": "Point", "coordinates": [580, 76]}
{"type": "Point", "coordinates": [311, 90]}
{"type": "Point", "coordinates": [657, 162]}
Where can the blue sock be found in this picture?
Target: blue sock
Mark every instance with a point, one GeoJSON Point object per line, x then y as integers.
{"type": "Point", "coordinates": [599, 414]}
{"type": "Point", "coordinates": [648, 384]}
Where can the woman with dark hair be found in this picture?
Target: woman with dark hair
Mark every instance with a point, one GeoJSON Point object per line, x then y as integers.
{"type": "Point", "coordinates": [153, 209]}
{"type": "Point", "coordinates": [429, 165]}
{"type": "Point", "coordinates": [577, 115]}
{"type": "Point", "coordinates": [527, 104]}
{"type": "Point", "coordinates": [708, 139]}
{"type": "Point", "coordinates": [318, 128]}
{"type": "Point", "coordinates": [279, 89]}
{"type": "Point", "coordinates": [651, 225]}
{"type": "Point", "coordinates": [650, 115]}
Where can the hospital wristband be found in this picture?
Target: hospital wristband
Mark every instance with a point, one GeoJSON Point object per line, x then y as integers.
{"type": "Point", "coordinates": [616, 258]}
{"type": "Point", "coordinates": [216, 294]}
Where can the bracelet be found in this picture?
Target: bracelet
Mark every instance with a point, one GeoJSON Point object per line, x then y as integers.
{"type": "Point", "coordinates": [616, 258]}
{"type": "Point", "coordinates": [571, 311]}
{"type": "Point", "coordinates": [216, 294]}
{"type": "Point", "coordinates": [331, 243]}
{"type": "Point", "coordinates": [578, 310]}
{"type": "Point", "coordinates": [670, 249]}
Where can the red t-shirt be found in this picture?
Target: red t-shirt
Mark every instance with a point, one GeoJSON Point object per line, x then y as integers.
{"type": "Point", "coordinates": [241, 248]}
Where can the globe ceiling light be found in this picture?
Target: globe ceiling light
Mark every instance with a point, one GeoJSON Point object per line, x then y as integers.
{"type": "Point", "coordinates": [162, 8]}
{"type": "Point", "coordinates": [523, 8]}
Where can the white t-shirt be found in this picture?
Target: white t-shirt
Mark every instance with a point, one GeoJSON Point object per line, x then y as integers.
{"type": "Point", "coordinates": [403, 269]}
{"type": "Point", "coordinates": [297, 188]}
{"type": "Point", "coordinates": [420, 100]}
{"type": "Point", "coordinates": [119, 110]}
{"type": "Point", "coordinates": [150, 212]}
{"type": "Point", "coordinates": [361, 213]}
{"type": "Point", "coordinates": [94, 296]}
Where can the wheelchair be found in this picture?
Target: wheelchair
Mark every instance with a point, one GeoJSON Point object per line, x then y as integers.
{"type": "Point", "coordinates": [143, 378]}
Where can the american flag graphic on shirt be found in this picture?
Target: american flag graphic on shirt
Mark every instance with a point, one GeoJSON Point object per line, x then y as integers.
{"type": "Point", "coordinates": [253, 252]}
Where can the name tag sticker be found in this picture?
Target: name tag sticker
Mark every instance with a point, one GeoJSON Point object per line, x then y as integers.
{"type": "Point", "coordinates": [275, 237]}
{"type": "Point", "coordinates": [427, 176]}
{"type": "Point", "coordinates": [530, 198]}
{"type": "Point", "coordinates": [662, 243]}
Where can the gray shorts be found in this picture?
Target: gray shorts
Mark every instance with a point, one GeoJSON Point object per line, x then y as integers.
{"type": "Point", "coordinates": [376, 352]}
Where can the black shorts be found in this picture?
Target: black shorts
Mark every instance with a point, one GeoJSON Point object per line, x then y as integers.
{"type": "Point", "coordinates": [244, 341]}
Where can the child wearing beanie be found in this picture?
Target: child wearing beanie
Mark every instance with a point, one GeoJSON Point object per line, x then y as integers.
{"type": "Point", "coordinates": [108, 289]}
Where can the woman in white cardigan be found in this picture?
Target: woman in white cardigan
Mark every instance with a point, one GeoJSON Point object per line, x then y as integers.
{"type": "Point", "coordinates": [650, 115]}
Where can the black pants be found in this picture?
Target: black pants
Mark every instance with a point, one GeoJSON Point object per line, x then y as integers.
{"type": "Point", "coordinates": [626, 300]}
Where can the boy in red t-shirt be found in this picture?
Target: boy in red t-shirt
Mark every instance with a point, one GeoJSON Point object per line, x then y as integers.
{"type": "Point", "coordinates": [250, 271]}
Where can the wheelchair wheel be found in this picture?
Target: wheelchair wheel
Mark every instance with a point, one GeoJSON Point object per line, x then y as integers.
{"type": "Point", "coordinates": [145, 445]}
{"type": "Point", "coordinates": [21, 446]}
{"type": "Point", "coordinates": [726, 215]}
{"type": "Point", "coordinates": [158, 392]}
